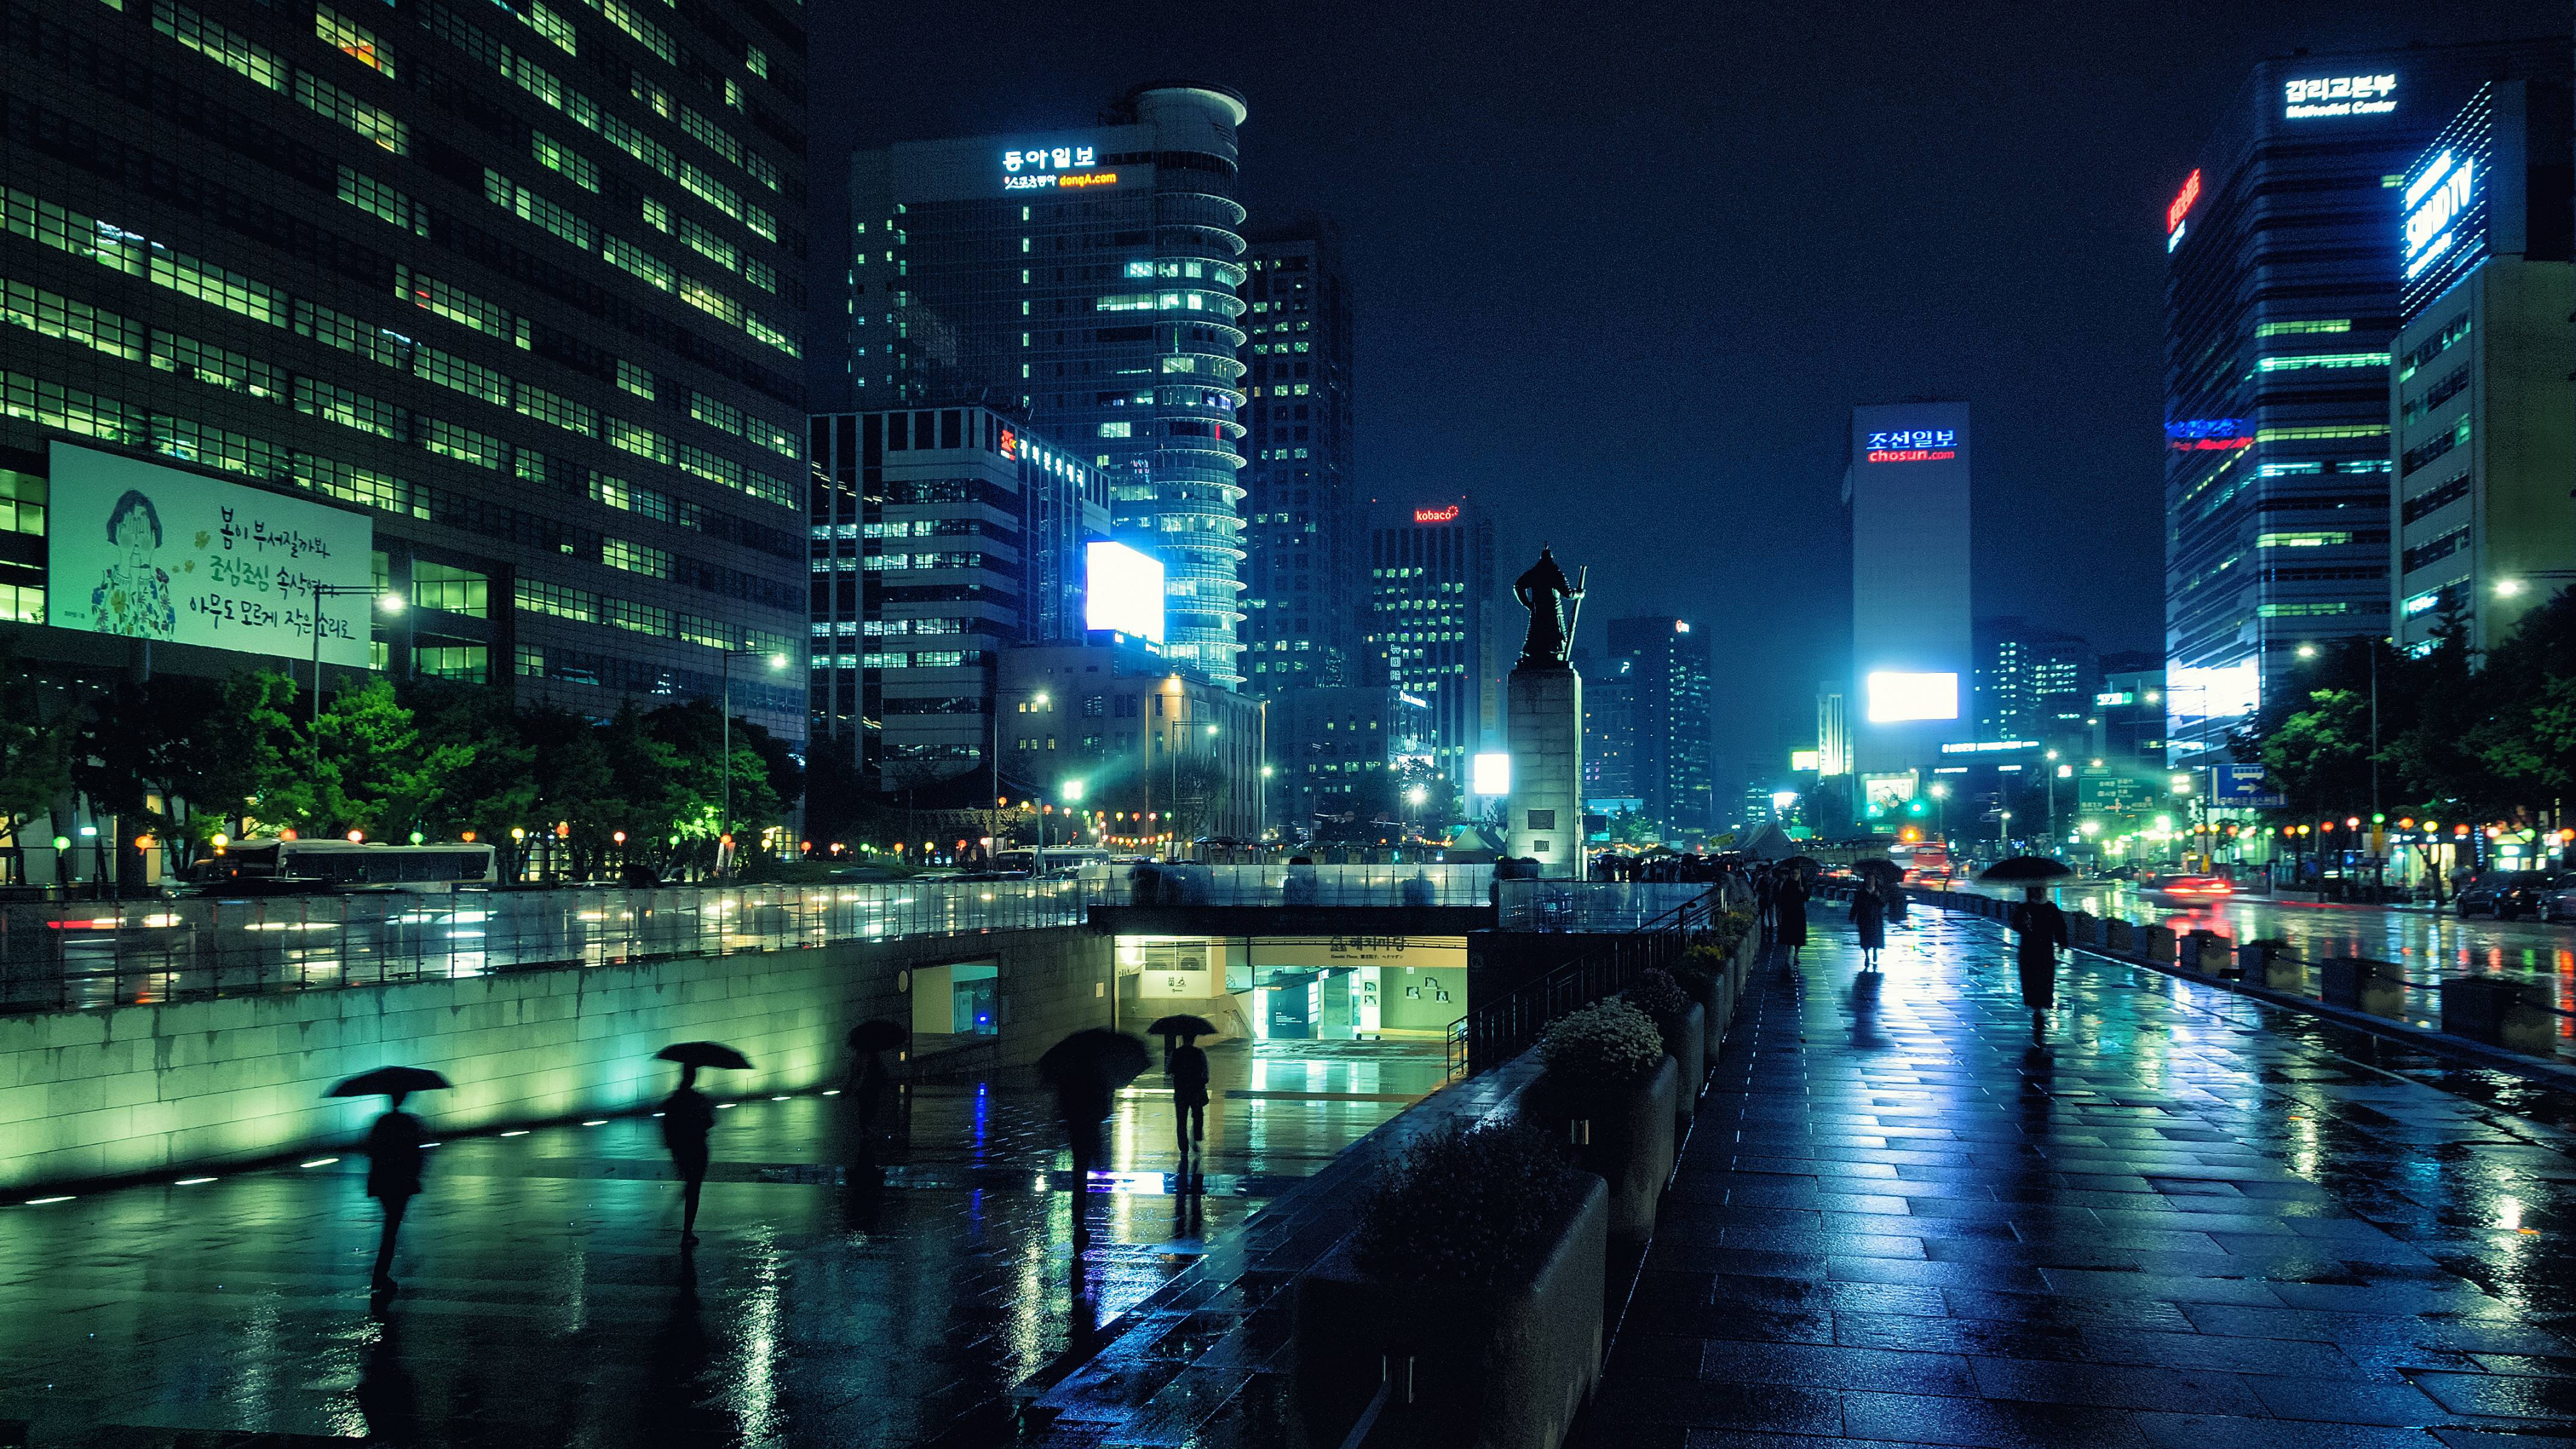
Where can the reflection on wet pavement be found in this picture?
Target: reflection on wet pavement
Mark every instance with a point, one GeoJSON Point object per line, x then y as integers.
{"type": "Point", "coordinates": [2180, 1219]}
{"type": "Point", "coordinates": [2425, 944]}
{"type": "Point", "coordinates": [840, 1297]}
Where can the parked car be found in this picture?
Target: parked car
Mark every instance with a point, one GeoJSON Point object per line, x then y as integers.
{"type": "Point", "coordinates": [2508, 894]}
{"type": "Point", "coordinates": [2558, 902]}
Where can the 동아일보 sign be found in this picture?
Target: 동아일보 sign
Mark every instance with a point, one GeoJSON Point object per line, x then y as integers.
{"type": "Point", "coordinates": [148, 552]}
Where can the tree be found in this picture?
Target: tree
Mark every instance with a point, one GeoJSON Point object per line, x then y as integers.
{"type": "Point", "coordinates": [1199, 787]}
{"type": "Point", "coordinates": [36, 743]}
{"type": "Point", "coordinates": [2320, 755]}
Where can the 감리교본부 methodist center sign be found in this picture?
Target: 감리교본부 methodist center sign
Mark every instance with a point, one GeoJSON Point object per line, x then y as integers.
{"type": "Point", "coordinates": [149, 552]}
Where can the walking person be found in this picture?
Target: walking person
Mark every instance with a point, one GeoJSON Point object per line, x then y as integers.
{"type": "Point", "coordinates": [393, 1179]}
{"type": "Point", "coordinates": [1789, 912]}
{"type": "Point", "coordinates": [2043, 932]}
{"type": "Point", "coordinates": [1869, 922]}
{"type": "Point", "coordinates": [688, 1117]}
{"type": "Point", "coordinates": [1187, 1066]}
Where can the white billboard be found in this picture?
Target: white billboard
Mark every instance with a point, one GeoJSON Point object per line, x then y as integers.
{"type": "Point", "coordinates": [1492, 773]}
{"type": "Point", "coordinates": [1896, 696]}
{"type": "Point", "coordinates": [1123, 590]}
{"type": "Point", "coordinates": [149, 552]}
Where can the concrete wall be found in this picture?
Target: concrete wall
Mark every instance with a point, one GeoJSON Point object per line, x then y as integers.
{"type": "Point", "coordinates": [97, 1094]}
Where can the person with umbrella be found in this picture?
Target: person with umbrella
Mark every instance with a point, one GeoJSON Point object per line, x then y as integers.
{"type": "Point", "coordinates": [872, 1040]}
{"type": "Point", "coordinates": [688, 1117]}
{"type": "Point", "coordinates": [1187, 1067]}
{"type": "Point", "coordinates": [393, 1153]}
{"type": "Point", "coordinates": [1087, 1069]}
{"type": "Point", "coordinates": [2042, 927]}
{"type": "Point", "coordinates": [1869, 920]}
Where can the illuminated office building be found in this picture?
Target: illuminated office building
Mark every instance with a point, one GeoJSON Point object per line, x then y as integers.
{"type": "Point", "coordinates": [1609, 734]}
{"type": "Point", "coordinates": [1090, 278]}
{"type": "Point", "coordinates": [1302, 593]}
{"type": "Point", "coordinates": [1431, 571]}
{"type": "Point", "coordinates": [517, 291]}
{"type": "Point", "coordinates": [941, 536]}
{"type": "Point", "coordinates": [1673, 766]}
{"type": "Point", "coordinates": [2484, 406]}
{"type": "Point", "coordinates": [2031, 684]}
{"type": "Point", "coordinates": [1907, 486]}
{"type": "Point", "coordinates": [2282, 302]}
{"type": "Point", "coordinates": [1330, 743]}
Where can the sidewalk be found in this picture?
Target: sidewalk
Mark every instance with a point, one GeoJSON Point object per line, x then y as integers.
{"type": "Point", "coordinates": [2170, 1225]}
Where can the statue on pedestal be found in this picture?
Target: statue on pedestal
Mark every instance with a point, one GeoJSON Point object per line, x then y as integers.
{"type": "Point", "coordinates": [1545, 591]}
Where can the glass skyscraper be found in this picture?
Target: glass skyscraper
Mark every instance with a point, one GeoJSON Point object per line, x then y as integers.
{"type": "Point", "coordinates": [1302, 583]}
{"type": "Point", "coordinates": [1431, 572]}
{"type": "Point", "coordinates": [514, 284]}
{"type": "Point", "coordinates": [2281, 306]}
{"type": "Point", "coordinates": [1089, 278]}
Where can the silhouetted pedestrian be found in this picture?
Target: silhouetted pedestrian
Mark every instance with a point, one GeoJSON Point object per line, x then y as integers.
{"type": "Point", "coordinates": [393, 1178]}
{"type": "Point", "coordinates": [1082, 1101]}
{"type": "Point", "coordinates": [1869, 922]}
{"type": "Point", "coordinates": [1789, 909]}
{"type": "Point", "coordinates": [2043, 930]}
{"type": "Point", "coordinates": [1187, 1066]}
{"type": "Point", "coordinates": [688, 1116]}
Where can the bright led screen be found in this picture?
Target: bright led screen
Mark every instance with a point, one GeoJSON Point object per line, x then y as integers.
{"type": "Point", "coordinates": [1493, 773]}
{"type": "Point", "coordinates": [1894, 696]}
{"type": "Point", "coordinates": [1123, 591]}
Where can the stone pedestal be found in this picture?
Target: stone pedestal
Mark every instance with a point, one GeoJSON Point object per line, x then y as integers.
{"type": "Point", "coordinates": [1544, 713]}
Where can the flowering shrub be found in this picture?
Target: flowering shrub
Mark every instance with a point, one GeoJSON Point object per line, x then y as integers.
{"type": "Point", "coordinates": [1730, 929]}
{"type": "Point", "coordinates": [1657, 994]}
{"type": "Point", "coordinates": [1468, 1208]}
{"type": "Point", "coordinates": [1607, 1044]}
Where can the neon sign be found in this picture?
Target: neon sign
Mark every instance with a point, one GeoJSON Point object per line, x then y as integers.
{"type": "Point", "coordinates": [1044, 158]}
{"type": "Point", "coordinates": [1912, 455]}
{"type": "Point", "coordinates": [1010, 444]}
{"type": "Point", "coordinates": [1069, 182]}
{"type": "Point", "coordinates": [1436, 515]}
{"type": "Point", "coordinates": [2437, 199]}
{"type": "Point", "coordinates": [2181, 206]}
{"type": "Point", "coordinates": [2339, 95]}
{"type": "Point", "coordinates": [2207, 435]}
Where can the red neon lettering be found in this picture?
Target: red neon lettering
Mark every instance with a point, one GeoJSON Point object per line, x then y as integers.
{"type": "Point", "coordinates": [1010, 444]}
{"type": "Point", "coordinates": [2182, 203]}
{"type": "Point", "coordinates": [1435, 515]}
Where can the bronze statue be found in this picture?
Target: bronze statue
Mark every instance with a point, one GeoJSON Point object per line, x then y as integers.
{"type": "Point", "coordinates": [1544, 591]}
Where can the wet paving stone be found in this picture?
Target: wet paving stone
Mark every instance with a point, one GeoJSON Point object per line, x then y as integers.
{"type": "Point", "coordinates": [2176, 1220]}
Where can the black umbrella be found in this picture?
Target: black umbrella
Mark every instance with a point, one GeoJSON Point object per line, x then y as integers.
{"type": "Point", "coordinates": [2026, 870]}
{"type": "Point", "coordinates": [1804, 862]}
{"type": "Point", "coordinates": [1887, 868]}
{"type": "Point", "coordinates": [1183, 1026]}
{"type": "Point", "coordinates": [704, 1054]}
{"type": "Point", "coordinates": [1112, 1056]}
{"type": "Point", "coordinates": [389, 1082]}
{"type": "Point", "coordinates": [876, 1036]}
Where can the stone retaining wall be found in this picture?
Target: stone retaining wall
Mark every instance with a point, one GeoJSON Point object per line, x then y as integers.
{"type": "Point", "coordinates": [145, 1089]}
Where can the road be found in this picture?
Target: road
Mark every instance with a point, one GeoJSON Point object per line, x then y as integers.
{"type": "Point", "coordinates": [2425, 945]}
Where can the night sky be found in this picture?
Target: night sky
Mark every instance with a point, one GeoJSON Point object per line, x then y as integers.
{"type": "Point", "coordinates": [1622, 270]}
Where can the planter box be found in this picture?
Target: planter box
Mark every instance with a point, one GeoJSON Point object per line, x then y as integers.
{"type": "Point", "coordinates": [1630, 1136]}
{"type": "Point", "coordinates": [2273, 964]}
{"type": "Point", "coordinates": [2377, 987]}
{"type": "Point", "coordinates": [2514, 1015]}
{"type": "Point", "coordinates": [2119, 936]}
{"type": "Point", "coordinates": [2083, 928]}
{"type": "Point", "coordinates": [1508, 1370]}
{"type": "Point", "coordinates": [2207, 953]}
{"type": "Point", "coordinates": [2156, 943]}
{"type": "Point", "coordinates": [1687, 1043]}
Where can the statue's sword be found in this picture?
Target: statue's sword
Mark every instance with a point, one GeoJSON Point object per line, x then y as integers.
{"type": "Point", "coordinates": [1571, 624]}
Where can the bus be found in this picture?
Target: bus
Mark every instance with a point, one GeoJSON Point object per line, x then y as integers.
{"type": "Point", "coordinates": [293, 866]}
{"type": "Point", "coordinates": [1924, 862]}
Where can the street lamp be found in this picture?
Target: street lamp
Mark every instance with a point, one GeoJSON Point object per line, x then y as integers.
{"type": "Point", "coordinates": [390, 602]}
{"type": "Point", "coordinates": [1941, 805]}
{"type": "Point", "coordinates": [724, 823]}
{"type": "Point", "coordinates": [1071, 793]}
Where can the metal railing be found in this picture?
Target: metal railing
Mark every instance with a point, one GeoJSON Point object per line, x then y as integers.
{"type": "Point", "coordinates": [56, 957]}
{"type": "Point", "coordinates": [1294, 885]}
{"type": "Point", "coordinates": [1591, 905]}
{"type": "Point", "coordinates": [1495, 1031]}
